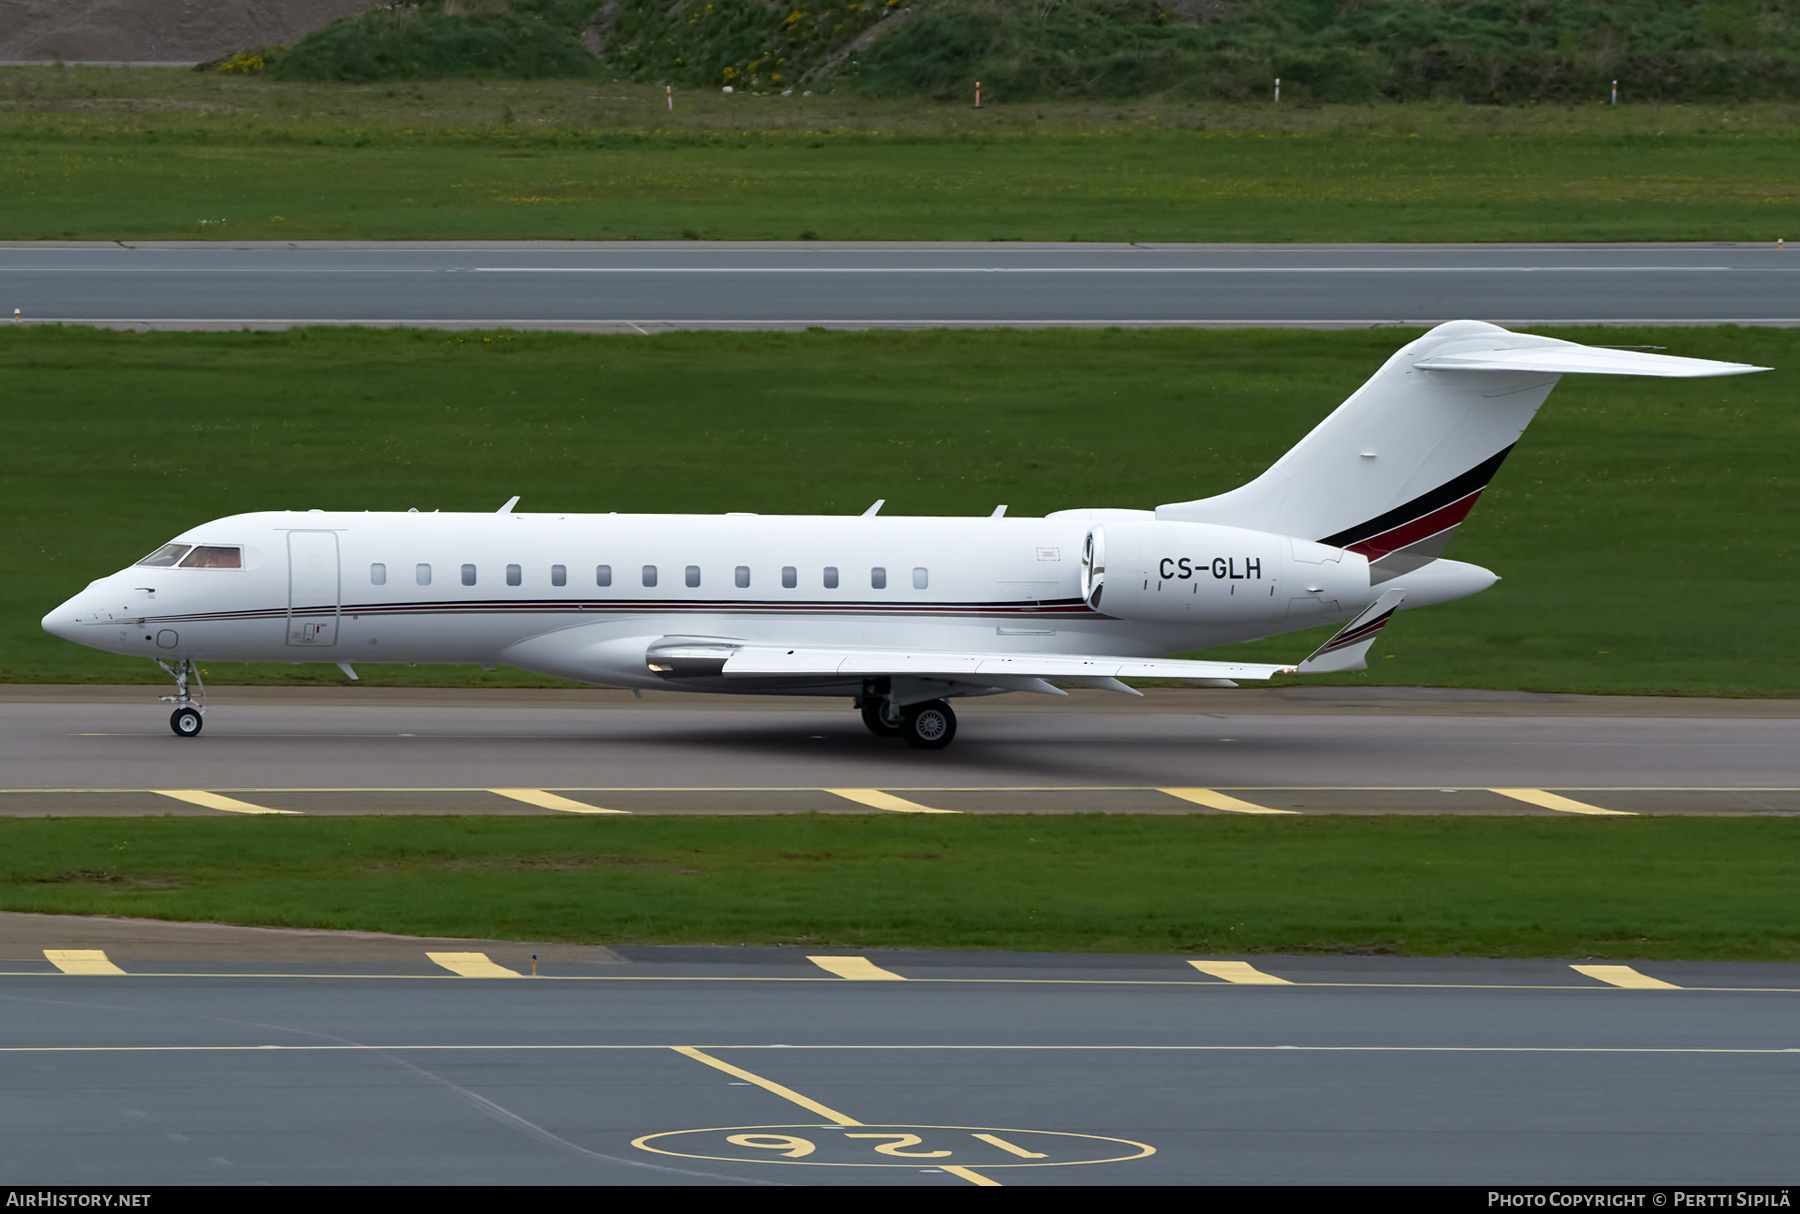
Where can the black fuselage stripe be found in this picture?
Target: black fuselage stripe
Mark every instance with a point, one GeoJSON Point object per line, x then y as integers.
{"type": "Point", "coordinates": [658, 607]}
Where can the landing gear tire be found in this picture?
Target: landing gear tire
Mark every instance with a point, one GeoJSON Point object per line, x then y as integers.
{"type": "Point", "coordinates": [928, 726]}
{"type": "Point", "coordinates": [186, 722]}
{"type": "Point", "coordinates": [883, 721]}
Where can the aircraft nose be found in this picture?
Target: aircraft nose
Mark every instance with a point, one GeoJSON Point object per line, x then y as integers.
{"type": "Point", "coordinates": [66, 620]}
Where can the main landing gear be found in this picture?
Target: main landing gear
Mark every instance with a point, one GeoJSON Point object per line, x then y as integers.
{"type": "Point", "coordinates": [190, 713]}
{"type": "Point", "coordinates": [927, 726]}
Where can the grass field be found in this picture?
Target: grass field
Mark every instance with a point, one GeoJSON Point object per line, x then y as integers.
{"type": "Point", "coordinates": [1643, 529]}
{"type": "Point", "coordinates": [1688, 888]}
{"type": "Point", "coordinates": [115, 154]}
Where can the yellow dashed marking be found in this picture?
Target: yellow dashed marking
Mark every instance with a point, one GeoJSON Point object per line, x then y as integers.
{"type": "Point", "coordinates": [1549, 800]}
{"type": "Point", "coordinates": [473, 965]}
{"type": "Point", "coordinates": [874, 798]}
{"type": "Point", "coordinates": [81, 961]}
{"type": "Point", "coordinates": [1241, 972]}
{"type": "Point", "coordinates": [212, 800]}
{"type": "Point", "coordinates": [1624, 975]}
{"type": "Point", "coordinates": [1218, 800]}
{"type": "Point", "coordinates": [858, 969]}
{"type": "Point", "coordinates": [549, 800]}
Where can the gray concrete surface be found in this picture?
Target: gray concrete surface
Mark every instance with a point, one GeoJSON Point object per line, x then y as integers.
{"type": "Point", "coordinates": [1358, 1071]}
{"type": "Point", "coordinates": [654, 286]}
{"type": "Point", "coordinates": [156, 33]}
{"type": "Point", "coordinates": [1377, 750]}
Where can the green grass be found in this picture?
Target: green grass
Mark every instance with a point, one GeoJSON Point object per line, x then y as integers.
{"type": "Point", "coordinates": [1690, 888]}
{"type": "Point", "coordinates": [1642, 528]}
{"type": "Point", "coordinates": [94, 154]}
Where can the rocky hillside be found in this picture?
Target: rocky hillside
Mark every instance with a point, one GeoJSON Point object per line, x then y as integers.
{"type": "Point", "coordinates": [1476, 51]}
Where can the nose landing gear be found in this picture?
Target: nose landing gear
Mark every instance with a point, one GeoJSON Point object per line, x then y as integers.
{"type": "Point", "coordinates": [190, 711]}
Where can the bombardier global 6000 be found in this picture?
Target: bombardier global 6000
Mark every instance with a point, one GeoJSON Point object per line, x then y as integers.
{"type": "Point", "coordinates": [900, 615]}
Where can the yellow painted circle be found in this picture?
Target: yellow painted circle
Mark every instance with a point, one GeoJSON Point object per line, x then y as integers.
{"type": "Point", "coordinates": [894, 1146]}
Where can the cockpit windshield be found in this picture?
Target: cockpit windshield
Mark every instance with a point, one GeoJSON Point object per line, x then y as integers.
{"type": "Point", "coordinates": [211, 556]}
{"type": "Point", "coordinates": [190, 556]}
{"type": "Point", "coordinates": [165, 556]}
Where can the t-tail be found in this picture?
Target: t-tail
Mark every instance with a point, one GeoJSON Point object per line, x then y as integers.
{"type": "Point", "coordinates": [1398, 466]}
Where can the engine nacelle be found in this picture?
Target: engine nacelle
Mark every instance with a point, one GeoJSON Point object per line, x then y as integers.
{"type": "Point", "coordinates": [1196, 573]}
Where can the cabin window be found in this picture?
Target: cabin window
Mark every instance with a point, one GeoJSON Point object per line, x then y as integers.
{"type": "Point", "coordinates": [468, 575]}
{"type": "Point", "coordinates": [514, 575]}
{"type": "Point", "coordinates": [878, 578]}
{"type": "Point", "coordinates": [602, 575]}
{"type": "Point", "coordinates": [378, 574]}
{"type": "Point", "coordinates": [559, 575]}
{"type": "Point", "coordinates": [422, 574]}
{"type": "Point", "coordinates": [790, 577]}
{"type": "Point", "coordinates": [742, 577]}
{"type": "Point", "coordinates": [921, 578]}
{"type": "Point", "coordinates": [212, 557]}
{"type": "Point", "coordinates": [831, 577]}
{"type": "Point", "coordinates": [649, 575]}
{"type": "Point", "coordinates": [165, 556]}
{"type": "Point", "coordinates": [693, 575]}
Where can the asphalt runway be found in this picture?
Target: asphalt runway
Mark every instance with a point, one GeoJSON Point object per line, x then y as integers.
{"type": "Point", "coordinates": [763, 1066]}
{"type": "Point", "coordinates": [647, 286]}
{"type": "Point", "coordinates": [1295, 750]}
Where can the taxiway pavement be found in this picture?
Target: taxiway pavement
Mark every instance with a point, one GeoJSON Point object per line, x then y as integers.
{"type": "Point", "coordinates": [649, 286]}
{"type": "Point", "coordinates": [767, 1066]}
{"type": "Point", "coordinates": [109, 751]}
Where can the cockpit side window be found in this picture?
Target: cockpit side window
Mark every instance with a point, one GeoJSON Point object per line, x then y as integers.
{"type": "Point", "coordinates": [165, 556]}
{"type": "Point", "coordinates": [210, 556]}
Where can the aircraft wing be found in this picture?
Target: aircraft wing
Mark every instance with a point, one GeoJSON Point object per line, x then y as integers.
{"type": "Point", "coordinates": [760, 660]}
{"type": "Point", "coordinates": [993, 669]}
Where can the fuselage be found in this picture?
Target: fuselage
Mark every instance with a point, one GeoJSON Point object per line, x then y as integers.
{"type": "Point", "coordinates": [580, 595]}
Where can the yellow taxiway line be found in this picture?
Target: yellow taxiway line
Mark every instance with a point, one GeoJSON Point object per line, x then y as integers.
{"type": "Point", "coordinates": [212, 800]}
{"type": "Point", "coordinates": [81, 961]}
{"type": "Point", "coordinates": [857, 969]}
{"type": "Point", "coordinates": [1240, 972]}
{"type": "Point", "coordinates": [1625, 976]}
{"type": "Point", "coordinates": [1214, 799]}
{"type": "Point", "coordinates": [1549, 800]}
{"type": "Point", "coordinates": [473, 965]}
{"type": "Point", "coordinates": [549, 800]}
{"type": "Point", "coordinates": [811, 1105]}
{"type": "Point", "coordinates": [874, 798]}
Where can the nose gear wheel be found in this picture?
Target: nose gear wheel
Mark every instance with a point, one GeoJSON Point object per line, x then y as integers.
{"type": "Point", "coordinates": [190, 713]}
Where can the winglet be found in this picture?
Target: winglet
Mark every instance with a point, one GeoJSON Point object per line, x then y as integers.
{"type": "Point", "coordinates": [875, 509]}
{"type": "Point", "coordinates": [1349, 648]}
{"type": "Point", "coordinates": [510, 503]}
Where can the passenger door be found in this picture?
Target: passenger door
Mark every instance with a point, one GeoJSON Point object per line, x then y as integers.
{"type": "Point", "coordinates": [313, 601]}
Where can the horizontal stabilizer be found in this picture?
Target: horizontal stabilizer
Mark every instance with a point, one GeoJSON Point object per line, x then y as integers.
{"type": "Point", "coordinates": [1567, 358]}
{"type": "Point", "coordinates": [1349, 648]}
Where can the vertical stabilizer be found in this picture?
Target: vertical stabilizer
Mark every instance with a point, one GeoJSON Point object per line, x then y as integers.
{"type": "Point", "coordinates": [1395, 468]}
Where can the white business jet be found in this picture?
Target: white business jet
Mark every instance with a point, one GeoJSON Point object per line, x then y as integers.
{"type": "Point", "coordinates": [902, 615]}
